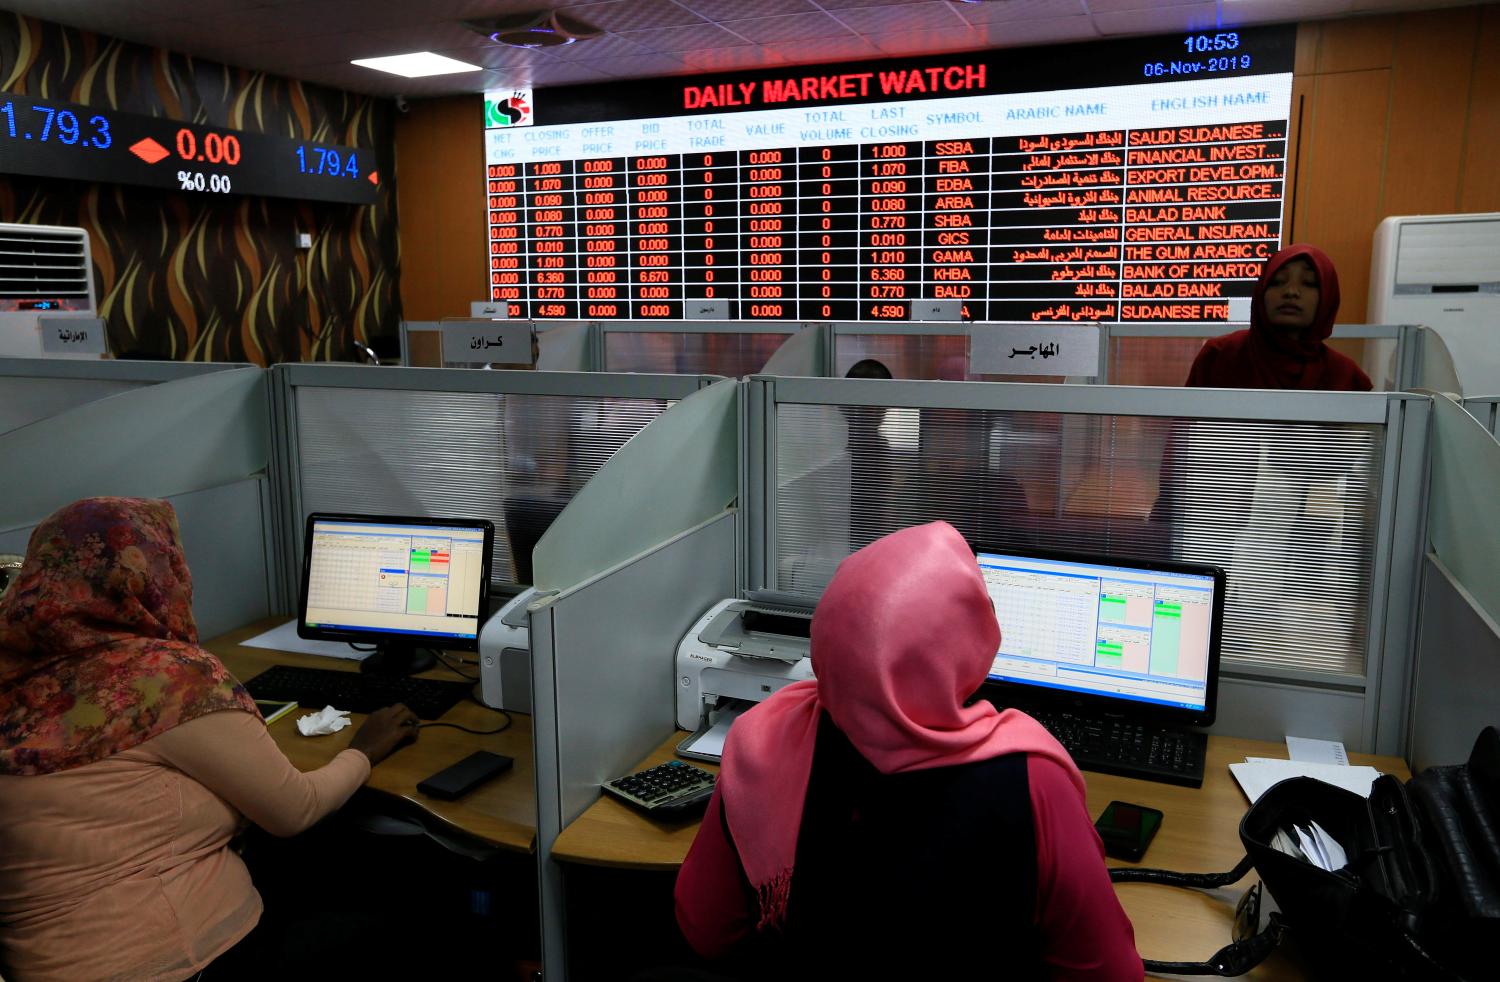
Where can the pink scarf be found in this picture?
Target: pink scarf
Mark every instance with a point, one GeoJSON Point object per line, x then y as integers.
{"type": "Point", "coordinates": [893, 675]}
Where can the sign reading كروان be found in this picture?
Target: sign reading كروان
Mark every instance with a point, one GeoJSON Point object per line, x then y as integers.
{"type": "Point", "coordinates": [486, 342]}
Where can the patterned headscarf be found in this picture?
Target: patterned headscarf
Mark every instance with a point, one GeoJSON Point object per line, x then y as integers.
{"type": "Point", "coordinates": [98, 649]}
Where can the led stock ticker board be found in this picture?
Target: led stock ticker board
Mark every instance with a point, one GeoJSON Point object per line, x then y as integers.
{"type": "Point", "coordinates": [1127, 181]}
{"type": "Point", "coordinates": [58, 139]}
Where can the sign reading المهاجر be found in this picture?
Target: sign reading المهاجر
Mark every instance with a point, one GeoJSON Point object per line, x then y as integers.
{"type": "Point", "coordinates": [1034, 349]}
{"type": "Point", "coordinates": [507, 108]}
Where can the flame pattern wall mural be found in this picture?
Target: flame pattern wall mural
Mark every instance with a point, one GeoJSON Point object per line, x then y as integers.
{"type": "Point", "coordinates": [213, 278]}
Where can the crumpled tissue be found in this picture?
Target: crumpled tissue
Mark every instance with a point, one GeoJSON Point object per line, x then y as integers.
{"type": "Point", "coordinates": [323, 722]}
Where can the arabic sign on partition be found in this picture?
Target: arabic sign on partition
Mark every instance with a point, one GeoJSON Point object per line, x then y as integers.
{"type": "Point", "coordinates": [486, 342]}
{"type": "Point", "coordinates": [1034, 349]}
{"type": "Point", "coordinates": [72, 335]}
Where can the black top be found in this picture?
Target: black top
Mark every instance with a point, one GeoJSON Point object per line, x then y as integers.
{"type": "Point", "coordinates": [927, 874]}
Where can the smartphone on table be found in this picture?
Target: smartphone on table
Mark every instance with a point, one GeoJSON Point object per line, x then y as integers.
{"type": "Point", "coordinates": [1127, 829]}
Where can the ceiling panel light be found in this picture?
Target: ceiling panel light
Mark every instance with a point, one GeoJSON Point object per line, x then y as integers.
{"type": "Point", "coordinates": [418, 64]}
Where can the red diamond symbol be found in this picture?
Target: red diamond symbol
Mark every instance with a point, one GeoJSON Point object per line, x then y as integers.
{"type": "Point", "coordinates": [374, 177]}
{"type": "Point", "coordinates": [149, 150]}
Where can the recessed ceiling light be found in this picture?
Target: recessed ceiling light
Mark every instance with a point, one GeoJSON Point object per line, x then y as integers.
{"type": "Point", "coordinates": [536, 29]}
{"type": "Point", "coordinates": [418, 64]}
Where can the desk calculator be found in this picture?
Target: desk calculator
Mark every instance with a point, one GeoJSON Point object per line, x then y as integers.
{"type": "Point", "coordinates": [669, 789]}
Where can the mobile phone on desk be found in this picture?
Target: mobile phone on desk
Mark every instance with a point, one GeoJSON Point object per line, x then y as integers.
{"type": "Point", "coordinates": [1127, 829]}
{"type": "Point", "coordinates": [464, 776]}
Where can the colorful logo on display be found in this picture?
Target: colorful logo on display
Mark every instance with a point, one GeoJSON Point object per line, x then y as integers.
{"type": "Point", "coordinates": [512, 108]}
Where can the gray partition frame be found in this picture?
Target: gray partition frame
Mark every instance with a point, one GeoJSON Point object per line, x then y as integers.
{"type": "Point", "coordinates": [74, 382]}
{"type": "Point", "coordinates": [1486, 409]}
{"type": "Point", "coordinates": [285, 379]}
{"type": "Point", "coordinates": [603, 690]}
{"type": "Point", "coordinates": [1302, 698]}
{"type": "Point", "coordinates": [201, 441]}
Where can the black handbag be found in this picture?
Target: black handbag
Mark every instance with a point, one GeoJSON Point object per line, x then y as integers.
{"type": "Point", "coordinates": [1419, 898]}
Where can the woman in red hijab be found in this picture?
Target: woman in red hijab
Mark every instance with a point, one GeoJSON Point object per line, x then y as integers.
{"type": "Point", "coordinates": [1291, 314]}
{"type": "Point", "coordinates": [130, 757]}
{"type": "Point", "coordinates": [878, 823]}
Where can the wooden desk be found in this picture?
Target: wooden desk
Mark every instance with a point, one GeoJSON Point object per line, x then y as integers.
{"type": "Point", "coordinates": [1199, 833]}
{"type": "Point", "coordinates": [502, 812]}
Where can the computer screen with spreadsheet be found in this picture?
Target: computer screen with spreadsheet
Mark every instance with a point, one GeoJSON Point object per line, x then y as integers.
{"type": "Point", "coordinates": [1138, 632]}
{"type": "Point", "coordinates": [385, 579]}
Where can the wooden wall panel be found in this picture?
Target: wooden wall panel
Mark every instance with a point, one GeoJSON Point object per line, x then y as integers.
{"type": "Point", "coordinates": [1338, 196]}
{"type": "Point", "coordinates": [1356, 45]}
{"type": "Point", "coordinates": [1429, 91]}
{"type": "Point", "coordinates": [440, 157]}
{"type": "Point", "coordinates": [1479, 188]}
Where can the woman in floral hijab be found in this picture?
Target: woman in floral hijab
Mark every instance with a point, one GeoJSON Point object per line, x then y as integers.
{"type": "Point", "coordinates": [129, 760]}
{"type": "Point", "coordinates": [98, 649]}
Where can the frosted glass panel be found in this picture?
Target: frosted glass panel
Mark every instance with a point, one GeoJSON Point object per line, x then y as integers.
{"type": "Point", "coordinates": [689, 353]}
{"type": "Point", "coordinates": [514, 459]}
{"type": "Point", "coordinates": [1288, 509]}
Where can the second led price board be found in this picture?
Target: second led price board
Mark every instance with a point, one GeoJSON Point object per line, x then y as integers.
{"type": "Point", "coordinates": [1132, 181]}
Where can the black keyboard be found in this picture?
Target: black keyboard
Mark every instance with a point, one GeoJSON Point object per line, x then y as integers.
{"type": "Point", "coordinates": [319, 687]}
{"type": "Point", "coordinates": [1128, 748]}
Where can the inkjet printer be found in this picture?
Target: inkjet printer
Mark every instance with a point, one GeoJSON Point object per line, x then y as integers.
{"type": "Point", "coordinates": [505, 655]}
{"type": "Point", "coordinates": [733, 657]}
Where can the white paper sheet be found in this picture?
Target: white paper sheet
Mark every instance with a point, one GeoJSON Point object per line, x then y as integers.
{"type": "Point", "coordinates": [711, 741]}
{"type": "Point", "coordinates": [1317, 751]}
{"type": "Point", "coordinates": [1257, 776]}
{"type": "Point", "coordinates": [284, 638]}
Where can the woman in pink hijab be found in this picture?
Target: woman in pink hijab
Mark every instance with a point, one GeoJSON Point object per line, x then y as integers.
{"type": "Point", "coordinates": [875, 823]}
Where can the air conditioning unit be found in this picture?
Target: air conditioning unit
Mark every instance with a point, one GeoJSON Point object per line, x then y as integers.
{"type": "Point", "coordinates": [47, 305]}
{"type": "Point", "coordinates": [1443, 271]}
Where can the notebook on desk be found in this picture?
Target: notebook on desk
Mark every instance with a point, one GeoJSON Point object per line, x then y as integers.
{"type": "Point", "coordinates": [1118, 658]}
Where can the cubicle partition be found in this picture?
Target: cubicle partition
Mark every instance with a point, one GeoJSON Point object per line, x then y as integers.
{"type": "Point", "coordinates": [732, 349]}
{"type": "Point", "coordinates": [1455, 681]}
{"type": "Point", "coordinates": [513, 447]}
{"type": "Point", "coordinates": [35, 388]}
{"type": "Point", "coordinates": [632, 561]}
{"type": "Point", "coordinates": [200, 441]}
{"type": "Point", "coordinates": [1311, 501]}
{"type": "Point", "coordinates": [1486, 409]}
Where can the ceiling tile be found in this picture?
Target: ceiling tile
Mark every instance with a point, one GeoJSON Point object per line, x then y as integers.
{"type": "Point", "coordinates": [934, 16]}
{"type": "Point", "coordinates": [1268, 11]}
{"type": "Point", "coordinates": [1015, 33]}
{"type": "Point", "coordinates": [1160, 20]}
{"type": "Point", "coordinates": [925, 42]}
{"type": "Point", "coordinates": [602, 49]}
{"type": "Point", "coordinates": [852, 4]}
{"type": "Point", "coordinates": [989, 13]}
{"type": "Point", "coordinates": [1109, 6]}
{"type": "Point", "coordinates": [788, 27]}
{"type": "Point", "coordinates": [646, 65]}
{"type": "Point", "coordinates": [812, 50]}
{"type": "Point", "coordinates": [634, 15]}
{"type": "Point", "coordinates": [731, 59]}
{"type": "Point", "coordinates": [689, 38]}
{"type": "Point", "coordinates": [721, 10]}
{"type": "Point", "coordinates": [564, 73]}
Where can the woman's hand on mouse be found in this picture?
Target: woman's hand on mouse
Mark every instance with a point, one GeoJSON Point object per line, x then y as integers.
{"type": "Point", "coordinates": [383, 731]}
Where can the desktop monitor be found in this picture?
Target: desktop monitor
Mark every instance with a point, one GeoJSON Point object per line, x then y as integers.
{"type": "Point", "coordinates": [406, 585]}
{"type": "Point", "coordinates": [1124, 636]}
